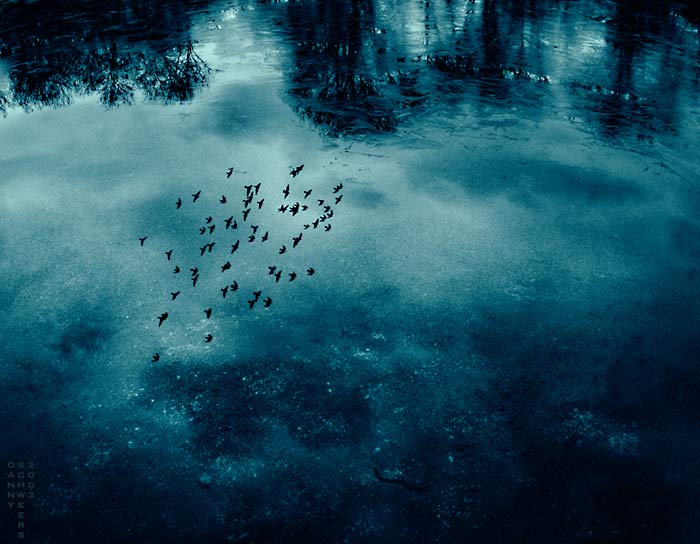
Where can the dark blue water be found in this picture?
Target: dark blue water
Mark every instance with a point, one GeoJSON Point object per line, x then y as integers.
{"type": "Point", "coordinates": [498, 341]}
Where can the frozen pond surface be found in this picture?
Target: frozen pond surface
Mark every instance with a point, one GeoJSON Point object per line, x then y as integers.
{"type": "Point", "coordinates": [499, 340]}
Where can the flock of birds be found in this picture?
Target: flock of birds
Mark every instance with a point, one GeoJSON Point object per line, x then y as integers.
{"type": "Point", "coordinates": [237, 225]}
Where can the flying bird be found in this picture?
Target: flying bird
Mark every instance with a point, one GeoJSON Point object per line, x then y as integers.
{"type": "Point", "coordinates": [203, 249]}
{"type": "Point", "coordinates": [321, 202]}
{"type": "Point", "coordinates": [294, 209]}
{"type": "Point", "coordinates": [295, 171]}
{"type": "Point", "coordinates": [202, 230]}
{"type": "Point", "coordinates": [278, 275]}
{"type": "Point", "coordinates": [329, 214]}
{"type": "Point", "coordinates": [338, 199]}
{"type": "Point", "coordinates": [247, 201]}
{"type": "Point", "coordinates": [195, 196]}
{"type": "Point", "coordinates": [209, 219]}
{"type": "Point", "coordinates": [177, 270]}
{"type": "Point", "coordinates": [208, 338]}
{"type": "Point", "coordinates": [257, 188]}
{"type": "Point", "coordinates": [178, 204]}
{"type": "Point", "coordinates": [251, 238]}
{"type": "Point", "coordinates": [208, 312]}
{"type": "Point", "coordinates": [228, 222]}
{"type": "Point", "coordinates": [327, 227]}
{"type": "Point", "coordinates": [282, 208]}
{"type": "Point", "coordinates": [162, 317]}
{"type": "Point", "coordinates": [337, 188]}
{"type": "Point", "coordinates": [265, 236]}
{"type": "Point", "coordinates": [260, 203]}
{"type": "Point", "coordinates": [268, 302]}
{"type": "Point", "coordinates": [175, 294]}
{"type": "Point", "coordinates": [292, 276]}
{"type": "Point", "coordinates": [283, 249]}
{"type": "Point", "coordinates": [315, 223]}
{"type": "Point", "coordinates": [326, 209]}
{"type": "Point", "coordinates": [285, 192]}
{"type": "Point", "coordinates": [248, 189]}
{"type": "Point", "coordinates": [211, 246]}
{"type": "Point", "coordinates": [307, 193]}
{"type": "Point", "coordinates": [169, 253]}
{"type": "Point", "coordinates": [245, 214]}
{"type": "Point", "coordinates": [310, 271]}
{"type": "Point", "coordinates": [226, 266]}
{"type": "Point", "coordinates": [211, 228]}
{"type": "Point", "coordinates": [255, 228]}
{"type": "Point", "coordinates": [194, 271]}
{"type": "Point", "coordinates": [222, 200]}
{"type": "Point", "coordinates": [224, 290]}
{"type": "Point", "coordinates": [234, 286]}
{"type": "Point", "coordinates": [142, 240]}
{"type": "Point", "coordinates": [194, 280]}
{"type": "Point", "coordinates": [234, 247]}
{"type": "Point", "coordinates": [257, 294]}
{"type": "Point", "coordinates": [306, 226]}
{"type": "Point", "coordinates": [156, 358]}
{"type": "Point", "coordinates": [304, 207]}
{"type": "Point", "coordinates": [229, 172]}
{"type": "Point", "coordinates": [296, 240]}
{"type": "Point", "coordinates": [251, 303]}
{"type": "Point", "coordinates": [271, 270]}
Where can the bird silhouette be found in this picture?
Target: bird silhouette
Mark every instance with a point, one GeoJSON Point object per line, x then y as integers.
{"type": "Point", "coordinates": [257, 187]}
{"type": "Point", "coordinates": [202, 230]}
{"type": "Point", "coordinates": [315, 223]}
{"type": "Point", "coordinates": [326, 209]}
{"type": "Point", "coordinates": [251, 303]}
{"type": "Point", "coordinates": [245, 214]}
{"type": "Point", "coordinates": [156, 358]}
{"type": "Point", "coordinates": [285, 191]}
{"type": "Point", "coordinates": [306, 226]}
{"type": "Point", "coordinates": [194, 271]}
{"type": "Point", "coordinates": [310, 271]}
{"type": "Point", "coordinates": [211, 228]}
{"type": "Point", "coordinates": [307, 193]}
{"type": "Point", "coordinates": [229, 172]}
{"type": "Point", "coordinates": [321, 202]}
{"type": "Point", "coordinates": [209, 219]}
{"type": "Point", "coordinates": [271, 270]}
{"type": "Point", "coordinates": [282, 208]}
{"type": "Point", "coordinates": [228, 222]}
{"type": "Point", "coordinates": [255, 228]}
{"type": "Point", "coordinates": [257, 294]}
{"type": "Point", "coordinates": [208, 338]}
{"type": "Point", "coordinates": [175, 294]}
{"type": "Point", "coordinates": [265, 236]}
{"type": "Point", "coordinates": [251, 238]}
{"type": "Point", "coordinates": [283, 249]}
{"type": "Point", "coordinates": [222, 200]}
{"type": "Point", "coordinates": [162, 317]}
{"type": "Point", "coordinates": [178, 204]}
{"type": "Point", "coordinates": [322, 218]}
{"type": "Point", "coordinates": [169, 253]}
{"type": "Point", "coordinates": [278, 275]}
{"type": "Point", "coordinates": [329, 214]}
{"type": "Point", "coordinates": [337, 188]}
{"type": "Point", "coordinates": [338, 199]}
{"type": "Point", "coordinates": [211, 246]}
{"type": "Point", "coordinates": [226, 266]}
{"type": "Point", "coordinates": [142, 240]}
{"type": "Point", "coordinates": [292, 276]}
{"type": "Point", "coordinates": [260, 203]}
{"type": "Point", "coordinates": [294, 209]}
{"type": "Point", "coordinates": [327, 227]}
{"type": "Point", "coordinates": [296, 240]}
{"type": "Point", "coordinates": [234, 286]}
{"type": "Point", "coordinates": [248, 189]}
{"type": "Point", "coordinates": [247, 201]}
{"type": "Point", "coordinates": [203, 249]}
{"type": "Point", "coordinates": [195, 196]}
{"type": "Point", "coordinates": [177, 270]}
{"type": "Point", "coordinates": [267, 302]}
{"type": "Point", "coordinates": [224, 290]}
{"type": "Point", "coordinates": [208, 312]}
{"type": "Point", "coordinates": [295, 171]}
{"type": "Point", "coordinates": [194, 280]}
{"type": "Point", "coordinates": [304, 207]}
{"type": "Point", "coordinates": [234, 247]}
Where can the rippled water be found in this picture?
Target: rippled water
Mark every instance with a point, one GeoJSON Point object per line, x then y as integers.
{"type": "Point", "coordinates": [498, 343]}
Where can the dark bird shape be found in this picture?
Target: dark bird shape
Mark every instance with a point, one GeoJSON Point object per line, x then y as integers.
{"type": "Point", "coordinates": [208, 338]}
{"type": "Point", "coordinates": [229, 172]}
{"type": "Point", "coordinates": [283, 249]}
{"type": "Point", "coordinates": [292, 276]}
{"type": "Point", "coordinates": [156, 358]}
{"type": "Point", "coordinates": [194, 271]}
{"type": "Point", "coordinates": [211, 228]}
{"type": "Point", "coordinates": [260, 203]}
{"type": "Point", "coordinates": [194, 280]}
{"type": "Point", "coordinates": [248, 189]}
{"type": "Point", "coordinates": [257, 188]}
{"type": "Point", "coordinates": [169, 253]}
{"type": "Point", "coordinates": [306, 226]}
{"type": "Point", "coordinates": [202, 230]}
{"type": "Point", "coordinates": [251, 303]}
{"type": "Point", "coordinates": [307, 193]}
{"type": "Point", "coordinates": [337, 188]}
{"type": "Point", "coordinates": [338, 199]}
{"type": "Point", "coordinates": [203, 249]}
{"type": "Point", "coordinates": [142, 240]}
{"type": "Point", "coordinates": [267, 302]}
{"type": "Point", "coordinates": [282, 208]}
{"type": "Point", "coordinates": [195, 196]}
{"type": "Point", "coordinates": [245, 214]}
{"type": "Point", "coordinates": [285, 192]}
{"type": "Point", "coordinates": [294, 209]}
{"type": "Point", "coordinates": [265, 236]}
{"type": "Point", "coordinates": [295, 171]}
{"type": "Point", "coordinates": [234, 286]}
{"type": "Point", "coordinates": [208, 312]}
{"type": "Point", "coordinates": [257, 294]}
{"type": "Point", "coordinates": [226, 266]}
{"type": "Point", "coordinates": [247, 201]}
{"type": "Point", "coordinates": [271, 270]}
{"type": "Point", "coordinates": [326, 209]}
{"type": "Point", "coordinates": [251, 238]}
{"type": "Point", "coordinates": [321, 202]}
{"type": "Point", "coordinates": [255, 228]}
{"type": "Point", "coordinates": [278, 275]}
{"type": "Point", "coordinates": [222, 200]}
{"type": "Point", "coordinates": [178, 204]}
{"type": "Point", "coordinates": [327, 227]}
{"type": "Point", "coordinates": [322, 218]}
{"type": "Point", "coordinates": [177, 270]}
{"type": "Point", "coordinates": [224, 290]}
{"type": "Point", "coordinates": [329, 214]}
{"type": "Point", "coordinates": [162, 317]}
{"type": "Point", "coordinates": [209, 219]}
{"type": "Point", "coordinates": [310, 271]}
{"type": "Point", "coordinates": [304, 207]}
{"type": "Point", "coordinates": [211, 246]}
{"type": "Point", "coordinates": [315, 223]}
{"type": "Point", "coordinates": [234, 247]}
{"type": "Point", "coordinates": [228, 222]}
{"type": "Point", "coordinates": [175, 294]}
{"type": "Point", "coordinates": [296, 240]}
